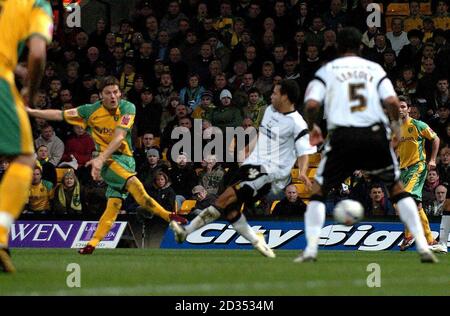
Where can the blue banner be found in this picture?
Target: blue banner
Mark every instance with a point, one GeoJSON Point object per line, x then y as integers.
{"type": "Point", "coordinates": [365, 236]}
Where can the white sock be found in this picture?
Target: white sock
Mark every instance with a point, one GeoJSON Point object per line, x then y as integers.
{"type": "Point", "coordinates": [409, 215]}
{"type": "Point", "coordinates": [314, 220]}
{"type": "Point", "coordinates": [208, 215]}
{"type": "Point", "coordinates": [444, 230]}
{"type": "Point", "coordinates": [243, 228]}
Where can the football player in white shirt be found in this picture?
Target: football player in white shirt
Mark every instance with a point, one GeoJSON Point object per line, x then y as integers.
{"type": "Point", "coordinates": [352, 90]}
{"type": "Point", "coordinates": [283, 139]}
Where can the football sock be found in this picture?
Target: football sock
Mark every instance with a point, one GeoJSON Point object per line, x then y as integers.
{"type": "Point", "coordinates": [243, 228]}
{"type": "Point", "coordinates": [425, 225]}
{"type": "Point", "coordinates": [14, 191]}
{"type": "Point", "coordinates": [138, 192]}
{"type": "Point", "coordinates": [444, 230]}
{"type": "Point", "coordinates": [207, 216]}
{"type": "Point", "coordinates": [314, 220]}
{"type": "Point", "coordinates": [410, 217]}
{"type": "Point", "coordinates": [106, 221]}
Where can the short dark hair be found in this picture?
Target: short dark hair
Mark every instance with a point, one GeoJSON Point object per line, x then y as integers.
{"type": "Point", "coordinates": [405, 99]}
{"type": "Point", "coordinates": [108, 81]}
{"type": "Point", "coordinates": [349, 40]}
{"type": "Point", "coordinates": [290, 88]}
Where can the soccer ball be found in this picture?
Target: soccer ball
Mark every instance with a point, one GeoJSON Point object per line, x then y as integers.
{"type": "Point", "coordinates": [348, 212]}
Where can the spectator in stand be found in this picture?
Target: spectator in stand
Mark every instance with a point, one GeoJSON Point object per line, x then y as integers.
{"type": "Point", "coordinates": [54, 144]}
{"type": "Point", "coordinates": [148, 114]}
{"type": "Point", "coordinates": [98, 36]}
{"type": "Point", "coordinates": [47, 168]}
{"type": "Point", "coordinates": [134, 95]}
{"type": "Point", "coordinates": [41, 192]}
{"type": "Point", "coordinates": [264, 83]}
{"type": "Point", "coordinates": [67, 195]}
{"type": "Point", "coordinates": [141, 154]}
{"type": "Point", "coordinates": [201, 64]}
{"type": "Point", "coordinates": [398, 37]}
{"type": "Point", "coordinates": [204, 199]}
{"type": "Point", "coordinates": [312, 62]}
{"type": "Point", "coordinates": [414, 20]}
{"type": "Point", "coordinates": [427, 78]}
{"type": "Point", "coordinates": [436, 208]}
{"type": "Point", "coordinates": [219, 50]}
{"type": "Point", "coordinates": [162, 191]}
{"type": "Point", "coordinates": [225, 115]}
{"type": "Point", "coordinates": [54, 92]}
{"type": "Point", "coordinates": [389, 64]}
{"type": "Point", "coordinates": [179, 67]}
{"type": "Point", "coordinates": [335, 15]}
{"type": "Point", "coordinates": [183, 178]}
{"type": "Point", "coordinates": [433, 180]}
{"type": "Point", "coordinates": [147, 170]}
{"type": "Point", "coordinates": [240, 95]}
{"type": "Point", "coordinates": [164, 90]}
{"type": "Point", "coordinates": [191, 94]}
{"type": "Point", "coordinates": [171, 20]}
{"type": "Point", "coordinates": [441, 17]}
{"type": "Point", "coordinates": [297, 46]}
{"type": "Point", "coordinates": [291, 204]}
{"type": "Point", "coordinates": [237, 76]}
{"type": "Point", "coordinates": [411, 54]}
{"type": "Point", "coordinates": [255, 107]}
{"type": "Point", "coordinates": [190, 48]}
{"type": "Point", "coordinates": [211, 174]}
{"type": "Point", "coordinates": [302, 17]}
{"type": "Point", "coordinates": [206, 105]}
{"type": "Point", "coordinates": [379, 203]}
{"type": "Point", "coordinates": [151, 31]}
{"type": "Point", "coordinates": [443, 165]}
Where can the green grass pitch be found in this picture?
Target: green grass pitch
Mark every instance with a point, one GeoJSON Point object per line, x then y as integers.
{"type": "Point", "coordinates": [222, 272]}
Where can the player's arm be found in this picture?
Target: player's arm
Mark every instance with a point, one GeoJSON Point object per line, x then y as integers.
{"type": "Point", "coordinates": [48, 115]}
{"type": "Point", "coordinates": [314, 95]}
{"type": "Point", "coordinates": [434, 152]}
{"type": "Point", "coordinates": [36, 64]}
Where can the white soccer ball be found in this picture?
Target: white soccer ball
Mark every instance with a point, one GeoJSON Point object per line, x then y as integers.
{"type": "Point", "coordinates": [348, 212]}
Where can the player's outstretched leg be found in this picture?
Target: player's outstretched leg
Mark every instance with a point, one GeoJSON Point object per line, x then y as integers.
{"type": "Point", "coordinates": [444, 230]}
{"type": "Point", "coordinates": [137, 190]}
{"type": "Point", "coordinates": [314, 220]}
{"type": "Point", "coordinates": [208, 215]}
{"type": "Point", "coordinates": [410, 216]}
{"type": "Point", "coordinates": [105, 223]}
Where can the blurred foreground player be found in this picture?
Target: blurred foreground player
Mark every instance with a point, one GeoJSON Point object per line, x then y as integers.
{"type": "Point", "coordinates": [109, 121]}
{"type": "Point", "coordinates": [21, 22]}
{"type": "Point", "coordinates": [352, 89]}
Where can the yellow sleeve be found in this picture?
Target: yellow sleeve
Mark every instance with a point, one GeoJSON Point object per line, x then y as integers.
{"type": "Point", "coordinates": [41, 23]}
{"type": "Point", "coordinates": [73, 117]}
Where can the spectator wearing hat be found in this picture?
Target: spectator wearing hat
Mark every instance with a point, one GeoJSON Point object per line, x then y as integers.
{"type": "Point", "coordinates": [411, 54]}
{"type": "Point", "coordinates": [206, 105]}
{"type": "Point", "coordinates": [203, 198]}
{"type": "Point", "coordinates": [153, 164]}
{"type": "Point", "coordinates": [226, 114]}
{"type": "Point", "coordinates": [134, 95]}
{"type": "Point", "coordinates": [148, 114]}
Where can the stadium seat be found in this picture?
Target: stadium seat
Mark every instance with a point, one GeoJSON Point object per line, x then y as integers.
{"type": "Point", "coordinates": [294, 175]}
{"type": "Point", "coordinates": [425, 8]}
{"type": "Point", "coordinates": [397, 9]}
{"type": "Point", "coordinates": [157, 141]}
{"type": "Point", "coordinates": [187, 207]}
{"type": "Point", "coordinates": [274, 203]}
{"type": "Point", "coordinates": [60, 173]}
{"type": "Point", "coordinates": [303, 191]}
{"type": "Point", "coordinates": [311, 172]}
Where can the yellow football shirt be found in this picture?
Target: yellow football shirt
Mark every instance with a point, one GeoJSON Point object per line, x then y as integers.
{"type": "Point", "coordinates": [40, 195]}
{"type": "Point", "coordinates": [100, 123]}
{"type": "Point", "coordinates": [20, 19]}
{"type": "Point", "coordinates": [411, 148]}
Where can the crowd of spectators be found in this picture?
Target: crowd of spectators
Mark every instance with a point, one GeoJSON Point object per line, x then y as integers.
{"type": "Point", "coordinates": [218, 61]}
